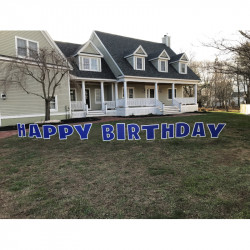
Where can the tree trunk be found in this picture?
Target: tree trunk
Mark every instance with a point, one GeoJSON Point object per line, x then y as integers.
{"type": "Point", "coordinates": [47, 110]}
{"type": "Point", "coordinates": [238, 85]}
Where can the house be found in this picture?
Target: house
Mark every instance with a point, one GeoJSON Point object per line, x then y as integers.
{"type": "Point", "coordinates": [16, 106]}
{"type": "Point", "coordinates": [111, 75]}
{"type": "Point", "coordinates": [120, 76]}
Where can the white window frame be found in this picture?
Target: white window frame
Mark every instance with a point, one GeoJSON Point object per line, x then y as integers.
{"type": "Point", "coordinates": [27, 47]}
{"type": "Point", "coordinates": [135, 62]}
{"type": "Point", "coordinates": [128, 92]}
{"type": "Point", "coordinates": [171, 92]}
{"type": "Point", "coordinates": [159, 65]}
{"type": "Point", "coordinates": [98, 102]}
{"type": "Point", "coordinates": [99, 66]}
{"type": "Point", "coordinates": [180, 68]}
{"type": "Point", "coordinates": [56, 105]}
{"type": "Point", "coordinates": [75, 94]}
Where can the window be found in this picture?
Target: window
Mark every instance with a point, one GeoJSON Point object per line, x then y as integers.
{"type": "Point", "coordinates": [26, 48]}
{"type": "Point", "coordinates": [90, 63]}
{"type": "Point", "coordinates": [53, 104]}
{"type": "Point", "coordinates": [183, 68]}
{"type": "Point", "coordinates": [150, 92]}
{"type": "Point", "coordinates": [73, 95]}
{"type": "Point", "coordinates": [97, 96]}
{"type": "Point", "coordinates": [163, 65]}
{"type": "Point", "coordinates": [130, 92]}
{"type": "Point", "coordinates": [139, 63]}
{"type": "Point", "coordinates": [170, 93]}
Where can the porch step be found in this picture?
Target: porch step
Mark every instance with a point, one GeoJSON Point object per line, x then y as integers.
{"type": "Point", "coordinates": [170, 110]}
{"type": "Point", "coordinates": [92, 113]}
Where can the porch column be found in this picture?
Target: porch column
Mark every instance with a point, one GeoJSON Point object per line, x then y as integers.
{"type": "Point", "coordinates": [102, 95]}
{"type": "Point", "coordinates": [83, 95]}
{"type": "Point", "coordinates": [125, 94]}
{"type": "Point", "coordinates": [112, 91]}
{"type": "Point", "coordinates": [116, 93]}
{"type": "Point", "coordinates": [156, 92]}
{"type": "Point", "coordinates": [195, 93]}
{"type": "Point", "coordinates": [173, 95]}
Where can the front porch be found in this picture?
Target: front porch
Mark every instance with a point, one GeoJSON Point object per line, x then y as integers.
{"type": "Point", "coordinates": [129, 98]}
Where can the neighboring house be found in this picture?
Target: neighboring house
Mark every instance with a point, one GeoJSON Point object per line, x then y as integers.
{"type": "Point", "coordinates": [112, 76]}
{"type": "Point", "coordinates": [16, 106]}
{"type": "Point", "coordinates": [121, 76]}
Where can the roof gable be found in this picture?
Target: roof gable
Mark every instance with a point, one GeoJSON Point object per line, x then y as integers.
{"type": "Point", "coordinates": [164, 55]}
{"type": "Point", "coordinates": [119, 48]}
{"type": "Point", "coordinates": [184, 58]}
{"type": "Point", "coordinates": [89, 49]}
{"type": "Point", "coordinates": [138, 52]}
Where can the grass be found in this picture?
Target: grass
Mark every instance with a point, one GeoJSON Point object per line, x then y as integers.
{"type": "Point", "coordinates": [176, 178]}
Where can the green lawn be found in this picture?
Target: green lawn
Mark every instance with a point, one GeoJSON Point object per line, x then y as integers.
{"type": "Point", "coordinates": [175, 178]}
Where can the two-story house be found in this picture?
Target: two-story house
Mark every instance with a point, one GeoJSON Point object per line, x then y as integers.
{"type": "Point", "coordinates": [111, 75]}
{"type": "Point", "coordinates": [16, 106]}
{"type": "Point", "coordinates": [121, 76]}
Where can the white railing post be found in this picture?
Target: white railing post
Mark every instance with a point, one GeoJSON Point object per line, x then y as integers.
{"type": "Point", "coordinates": [195, 93]}
{"type": "Point", "coordinates": [106, 108]}
{"type": "Point", "coordinates": [116, 94]}
{"type": "Point", "coordinates": [83, 95]}
{"type": "Point", "coordinates": [102, 95]}
{"type": "Point", "coordinates": [87, 108]}
{"type": "Point", "coordinates": [173, 94]}
{"type": "Point", "coordinates": [125, 94]}
{"type": "Point", "coordinates": [156, 93]}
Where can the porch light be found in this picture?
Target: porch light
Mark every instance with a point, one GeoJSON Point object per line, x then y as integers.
{"type": "Point", "coordinates": [3, 96]}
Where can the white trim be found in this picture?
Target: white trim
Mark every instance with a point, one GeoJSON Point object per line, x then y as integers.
{"type": "Point", "coordinates": [152, 79]}
{"type": "Point", "coordinates": [166, 65]}
{"type": "Point", "coordinates": [69, 94]}
{"type": "Point", "coordinates": [56, 105]}
{"type": "Point", "coordinates": [89, 98]}
{"type": "Point", "coordinates": [85, 46]}
{"type": "Point", "coordinates": [160, 57]}
{"type": "Point", "coordinates": [81, 63]}
{"type": "Point", "coordinates": [135, 62]}
{"type": "Point", "coordinates": [97, 102]}
{"type": "Point", "coordinates": [27, 47]}
{"type": "Point", "coordinates": [107, 52]}
{"type": "Point", "coordinates": [171, 92]}
{"type": "Point", "coordinates": [181, 59]}
{"type": "Point", "coordinates": [135, 53]}
{"type": "Point", "coordinates": [180, 63]}
{"type": "Point", "coordinates": [92, 79]}
{"type": "Point", "coordinates": [128, 92]}
{"type": "Point", "coordinates": [27, 116]}
{"type": "Point", "coordinates": [75, 94]}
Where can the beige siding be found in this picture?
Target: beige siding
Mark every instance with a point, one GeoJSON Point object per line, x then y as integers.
{"type": "Point", "coordinates": [140, 91]}
{"type": "Point", "coordinates": [8, 41]}
{"type": "Point", "coordinates": [107, 57]}
{"type": "Point", "coordinates": [19, 103]}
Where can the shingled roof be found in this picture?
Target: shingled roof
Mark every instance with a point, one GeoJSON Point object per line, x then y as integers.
{"type": "Point", "coordinates": [70, 49]}
{"type": "Point", "coordinates": [120, 46]}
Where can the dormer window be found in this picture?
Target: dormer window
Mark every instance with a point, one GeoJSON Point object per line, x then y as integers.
{"type": "Point", "coordinates": [160, 61]}
{"type": "Point", "coordinates": [183, 68]}
{"type": "Point", "coordinates": [139, 63]}
{"type": "Point", "coordinates": [89, 63]}
{"type": "Point", "coordinates": [163, 65]}
{"type": "Point", "coordinates": [89, 57]}
{"type": "Point", "coordinates": [26, 48]}
{"type": "Point", "coordinates": [137, 58]}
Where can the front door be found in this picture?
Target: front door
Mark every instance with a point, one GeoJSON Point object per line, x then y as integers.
{"type": "Point", "coordinates": [150, 92]}
{"type": "Point", "coordinates": [87, 96]}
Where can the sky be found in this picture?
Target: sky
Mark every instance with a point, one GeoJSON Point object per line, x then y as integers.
{"type": "Point", "coordinates": [189, 23]}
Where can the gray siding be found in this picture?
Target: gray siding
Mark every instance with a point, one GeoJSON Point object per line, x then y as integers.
{"type": "Point", "coordinates": [107, 57]}
{"type": "Point", "coordinates": [8, 42]}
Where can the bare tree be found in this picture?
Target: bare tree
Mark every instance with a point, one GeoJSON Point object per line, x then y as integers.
{"type": "Point", "coordinates": [47, 68]}
{"type": "Point", "coordinates": [238, 62]}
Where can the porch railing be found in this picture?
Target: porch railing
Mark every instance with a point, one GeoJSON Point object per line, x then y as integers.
{"type": "Point", "coordinates": [186, 101]}
{"type": "Point", "coordinates": [120, 103]}
{"type": "Point", "coordinates": [141, 102]}
{"type": "Point", "coordinates": [77, 105]}
{"type": "Point", "coordinates": [110, 104]}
